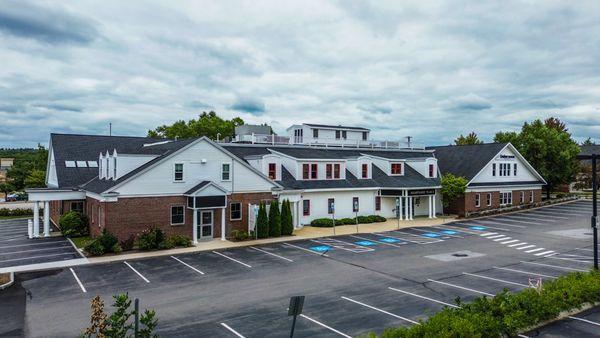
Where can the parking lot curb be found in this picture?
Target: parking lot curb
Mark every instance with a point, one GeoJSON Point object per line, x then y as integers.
{"type": "Point", "coordinates": [10, 281]}
{"type": "Point", "coordinates": [562, 315]}
{"type": "Point", "coordinates": [518, 211]}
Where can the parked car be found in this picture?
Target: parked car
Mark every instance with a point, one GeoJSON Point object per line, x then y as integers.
{"type": "Point", "coordinates": [17, 196]}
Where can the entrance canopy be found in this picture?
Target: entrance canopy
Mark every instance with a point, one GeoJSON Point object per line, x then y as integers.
{"type": "Point", "coordinates": [54, 194]}
{"type": "Point", "coordinates": [206, 195]}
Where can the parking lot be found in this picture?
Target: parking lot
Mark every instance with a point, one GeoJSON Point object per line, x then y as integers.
{"type": "Point", "coordinates": [353, 284]}
{"type": "Point", "coordinates": [16, 249]}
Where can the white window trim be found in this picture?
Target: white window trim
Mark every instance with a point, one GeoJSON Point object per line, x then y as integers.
{"type": "Point", "coordinates": [229, 173]}
{"type": "Point", "coordinates": [401, 168]}
{"type": "Point", "coordinates": [177, 206]}
{"type": "Point", "coordinates": [182, 172]}
{"type": "Point", "coordinates": [477, 200]}
{"type": "Point", "coordinates": [522, 197]}
{"type": "Point", "coordinates": [489, 200]}
{"type": "Point", "coordinates": [531, 196]}
{"type": "Point", "coordinates": [230, 210]}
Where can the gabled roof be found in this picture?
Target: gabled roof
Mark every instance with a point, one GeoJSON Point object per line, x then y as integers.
{"type": "Point", "coordinates": [466, 160]}
{"type": "Point", "coordinates": [203, 185]}
{"type": "Point", "coordinates": [589, 150]}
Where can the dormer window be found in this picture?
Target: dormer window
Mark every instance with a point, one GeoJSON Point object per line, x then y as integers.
{"type": "Point", "coordinates": [313, 171]}
{"type": "Point", "coordinates": [332, 171]}
{"type": "Point", "coordinates": [365, 170]}
{"type": "Point", "coordinates": [315, 133]}
{"type": "Point", "coordinates": [364, 135]}
{"type": "Point", "coordinates": [309, 171]}
{"type": "Point", "coordinates": [431, 170]}
{"type": "Point", "coordinates": [336, 170]}
{"type": "Point", "coordinates": [272, 171]}
{"type": "Point", "coordinates": [178, 173]}
{"type": "Point", "coordinates": [396, 168]}
{"type": "Point", "coordinates": [338, 134]}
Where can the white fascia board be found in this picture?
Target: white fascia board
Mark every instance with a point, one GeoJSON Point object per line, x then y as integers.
{"type": "Point", "coordinates": [306, 159]}
{"type": "Point", "coordinates": [139, 155]}
{"type": "Point", "coordinates": [338, 189]}
{"type": "Point", "coordinates": [504, 187]}
{"type": "Point", "coordinates": [48, 163]}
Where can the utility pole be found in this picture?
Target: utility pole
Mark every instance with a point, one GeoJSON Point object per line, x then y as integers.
{"type": "Point", "coordinates": [594, 158]}
{"type": "Point", "coordinates": [110, 129]}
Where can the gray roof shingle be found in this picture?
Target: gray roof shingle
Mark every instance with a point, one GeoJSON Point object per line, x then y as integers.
{"type": "Point", "coordinates": [466, 160]}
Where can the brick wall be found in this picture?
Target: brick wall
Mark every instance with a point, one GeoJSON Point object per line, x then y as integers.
{"type": "Point", "coordinates": [470, 205]}
{"type": "Point", "coordinates": [58, 208]}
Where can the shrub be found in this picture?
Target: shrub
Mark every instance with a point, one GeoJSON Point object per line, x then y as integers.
{"type": "Point", "coordinates": [94, 248]}
{"type": "Point", "coordinates": [151, 239]}
{"type": "Point", "coordinates": [322, 222]}
{"type": "Point", "coordinates": [181, 240]}
{"type": "Point", "coordinates": [15, 212]}
{"type": "Point", "coordinates": [73, 224]}
{"type": "Point", "coordinates": [127, 244]}
{"type": "Point", "coordinates": [239, 235]}
{"type": "Point", "coordinates": [262, 222]}
{"type": "Point", "coordinates": [345, 221]}
{"type": "Point", "coordinates": [287, 223]}
{"type": "Point", "coordinates": [274, 219]}
{"type": "Point", "coordinates": [116, 248]}
{"type": "Point", "coordinates": [166, 244]}
{"type": "Point", "coordinates": [108, 241]}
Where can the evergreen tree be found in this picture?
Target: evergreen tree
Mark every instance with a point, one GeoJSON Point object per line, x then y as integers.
{"type": "Point", "coordinates": [287, 226]}
{"type": "Point", "coordinates": [274, 219]}
{"type": "Point", "coordinates": [262, 222]}
{"type": "Point", "coordinates": [469, 139]}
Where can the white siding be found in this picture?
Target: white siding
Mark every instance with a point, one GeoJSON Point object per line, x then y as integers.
{"type": "Point", "coordinates": [343, 204]}
{"type": "Point", "coordinates": [422, 166]}
{"type": "Point", "coordinates": [159, 180]}
{"type": "Point", "coordinates": [127, 163]}
{"type": "Point", "coordinates": [523, 173]}
{"type": "Point", "coordinates": [52, 177]}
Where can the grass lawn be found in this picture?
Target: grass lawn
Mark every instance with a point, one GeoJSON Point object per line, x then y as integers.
{"type": "Point", "coordinates": [81, 241]}
{"type": "Point", "coordinates": [4, 278]}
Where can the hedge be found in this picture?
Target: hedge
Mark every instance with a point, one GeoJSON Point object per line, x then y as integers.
{"type": "Point", "coordinates": [73, 224]}
{"type": "Point", "coordinates": [507, 314]}
{"type": "Point", "coordinates": [16, 212]}
{"type": "Point", "coordinates": [328, 222]}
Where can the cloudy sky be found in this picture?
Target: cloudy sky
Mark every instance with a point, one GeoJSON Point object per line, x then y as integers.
{"type": "Point", "coordinates": [421, 68]}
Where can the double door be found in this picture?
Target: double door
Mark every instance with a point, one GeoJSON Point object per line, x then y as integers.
{"type": "Point", "coordinates": [205, 224]}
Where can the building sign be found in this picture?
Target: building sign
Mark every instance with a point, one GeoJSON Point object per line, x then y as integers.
{"type": "Point", "coordinates": [421, 192]}
{"type": "Point", "coordinates": [506, 157]}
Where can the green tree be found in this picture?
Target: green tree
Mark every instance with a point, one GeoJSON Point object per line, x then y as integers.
{"type": "Point", "coordinates": [26, 160]}
{"type": "Point", "coordinates": [6, 188]}
{"type": "Point", "coordinates": [262, 222]}
{"type": "Point", "coordinates": [208, 124]}
{"type": "Point", "coordinates": [287, 224]}
{"type": "Point", "coordinates": [549, 148]}
{"type": "Point", "coordinates": [35, 179]}
{"type": "Point", "coordinates": [588, 142]}
{"type": "Point", "coordinates": [507, 137]}
{"type": "Point", "coordinates": [471, 138]}
{"type": "Point", "coordinates": [453, 187]}
{"type": "Point", "coordinates": [274, 219]}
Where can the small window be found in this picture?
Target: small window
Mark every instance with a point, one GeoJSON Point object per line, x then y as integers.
{"type": "Point", "coordinates": [178, 172]}
{"type": "Point", "coordinates": [329, 171]}
{"type": "Point", "coordinates": [315, 133]}
{"type": "Point", "coordinates": [70, 164]}
{"type": "Point", "coordinates": [344, 134]}
{"type": "Point", "coordinates": [177, 215]}
{"type": "Point", "coordinates": [313, 171]}
{"type": "Point", "coordinates": [396, 168]}
{"type": "Point", "coordinates": [226, 172]}
{"type": "Point", "coordinates": [272, 171]}
{"type": "Point", "coordinates": [489, 199]}
{"type": "Point", "coordinates": [377, 203]}
{"type": "Point", "coordinates": [337, 134]}
{"type": "Point", "coordinates": [306, 207]}
{"type": "Point", "coordinates": [364, 135]}
{"type": "Point", "coordinates": [493, 169]}
{"type": "Point", "coordinates": [531, 196]}
{"type": "Point", "coordinates": [508, 169]}
{"type": "Point", "coordinates": [515, 169]}
{"type": "Point", "coordinates": [114, 168]}
{"type": "Point", "coordinates": [92, 164]}
{"type": "Point", "coordinates": [305, 171]}
{"type": "Point", "coordinates": [355, 205]}
{"type": "Point", "coordinates": [77, 206]}
{"type": "Point", "coordinates": [330, 206]}
{"type": "Point", "coordinates": [477, 200]}
{"type": "Point", "coordinates": [431, 170]}
{"type": "Point", "coordinates": [522, 197]}
{"type": "Point", "coordinates": [235, 211]}
{"type": "Point", "coordinates": [81, 164]}
{"type": "Point", "coordinates": [336, 170]}
{"type": "Point", "coordinates": [365, 170]}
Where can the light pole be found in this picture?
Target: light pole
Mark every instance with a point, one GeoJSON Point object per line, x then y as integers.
{"type": "Point", "coordinates": [594, 158]}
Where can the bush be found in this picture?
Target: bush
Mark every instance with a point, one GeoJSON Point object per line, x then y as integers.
{"type": "Point", "coordinates": [127, 244]}
{"type": "Point", "coordinates": [151, 239]}
{"type": "Point", "coordinates": [94, 248]}
{"type": "Point", "coordinates": [239, 235]}
{"type": "Point", "coordinates": [166, 244]}
{"type": "Point", "coordinates": [73, 224]}
{"type": "Point", "coordinates": [287, 223]}
{"type": "Point", "coordinates": [507, 314]}
{"type": "Point", "coordinates": [345, 221]}
{"type": "Point", "coordinates": [107, 240]}
{"type": "Point", "coordinates": [274, 219]}
{"type": "Point", "coordinates": [262, 222]}
{"type": "Point", "coordinates": [181, 240]}
{"type": "Point", "coordinates": [322, 222]}
{"type": "Point", "coordinates": [116, 248]}
{"type": "Point", "coordinates": [15, 212]}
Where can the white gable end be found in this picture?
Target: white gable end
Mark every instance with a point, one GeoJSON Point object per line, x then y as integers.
{"type": "Point", "coordinates": [507, 159]}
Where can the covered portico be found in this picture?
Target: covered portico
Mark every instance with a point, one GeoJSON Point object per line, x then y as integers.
{"type": "Point", "coordinates": [204, 199]}
{"type": "Point", "coordinates": [404, 200]}
{"type": "Point", "coordinates": [45, 196]}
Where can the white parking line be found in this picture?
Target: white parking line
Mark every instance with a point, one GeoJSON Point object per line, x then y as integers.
{"type": "Point", "coordinates": [138, 273]}
{"type": "Point", "coordinates": [502, 239]}
{"type": "Point", "coordinates": [35, 250]}
{"type": "Point", "coordinates": [235, 260]}
{"type": "Point", "coordinates": [419, 240]}
{"type": "Point", "coordinates": [400, 238]}
{"type": "Point", "coordinates": [544, 253]}
{"type": "Point", "coordinates": [272, 254]}
{"type": "Point", "coordinates": [460, 287]}
{"type": "Point", "coordinates": [232, 330]}
{"type": "Point", "coordinates": [423, 297]}
{"type": "Point", "coordinates": [380, 310]}
{"type": "Point", "coordinates": [494, 279]}
{"type": "Point", "coordinates": [534, 250]}
{"type": "Point", "coordinates": [441, 234]}
{"type": "Point", "coordinates": [78, 281]}
{"type": "Point", "coordinates": [549, 215]}
{"type": "Point", "coordinates": [511, 241]}
{"type": "Point", "coordinates": [488, 234]}
{"type": "Point", "coordinates": [36, 257]}
{"type": "Point", "coordinates": [524, 272]}
{"type": "Point", "coordinates": [485, 224]}
{"type": "Point", "coordinates": [374, 240]}
{"type": "Point", "coordinates": [32, 244]}
{"type": "Point", "coordinates": [496, 236]}
{"type": "Point", "coordinates": [325, 326]}
{"type": "Point", "coordinates": [517, 244]}
{"type": "Point", "coordinates": [304, 249]}
{"type": "Point", "coordinates": [570, 259]}
{"type": "Point", "coordinates": [500, 222]}
{"type": "Point", "coordinates": [186, 264]}
{"type": "Point", "coordinates": [555, 266]}
{"type": "Point", "coordinates": [533, 218]}
{"type": "Point", "coordinates": [526, 247]}
{"type": "Point", "coordinates": [461, 229]}
{"type": "Point", "coordinates": [342, 245]}
{"type": "Point", "coordinates": [584, 320]}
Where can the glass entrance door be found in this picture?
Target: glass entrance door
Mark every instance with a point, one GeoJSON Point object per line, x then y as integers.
{"type": "Point", "coordinates": [205, 226]}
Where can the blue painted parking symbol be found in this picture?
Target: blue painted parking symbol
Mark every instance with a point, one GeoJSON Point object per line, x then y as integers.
{"type": "Point", "coordinates": [478, 228]}
{"type": "Point", "coordinates": [449, 232]}
{"type": "Point", "coordinates": [390, 240]}
{"type": "Point", "coordinates": [365, 243]}
{"type": "Point", "coordinates": [320, 248]}
{"type": "Point", "coordinates": [430, 235]}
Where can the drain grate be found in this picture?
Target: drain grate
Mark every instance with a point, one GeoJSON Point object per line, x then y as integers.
{"type": "Point", "coordinates": [460, 255]}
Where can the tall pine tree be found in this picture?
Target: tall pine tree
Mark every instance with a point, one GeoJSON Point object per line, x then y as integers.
{"type": "Point", "coordinates": [287, 226]}
{"type": "Point", "coordinates": [262, 222]}
{"type": "Point", "coordinates": [274, 219]}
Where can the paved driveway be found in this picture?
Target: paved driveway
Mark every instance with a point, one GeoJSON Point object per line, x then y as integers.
{"type": "Point", "coordinates": [17, 250]}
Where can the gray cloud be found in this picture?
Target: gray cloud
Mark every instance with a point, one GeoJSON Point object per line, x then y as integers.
{"type": "Point", "coordinates": [470, 102]}
{"type": "Point", "coordinates": [250, 105]}
{"type": "Point", "coordinates": [59, 107]}
{"type": "Point", "coordinates": [45, 24]}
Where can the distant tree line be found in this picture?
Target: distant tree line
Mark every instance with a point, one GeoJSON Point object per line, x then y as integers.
{"type": "Point", "coordinates": [28, 170]}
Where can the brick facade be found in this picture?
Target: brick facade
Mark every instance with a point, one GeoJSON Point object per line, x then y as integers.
{"type": "Point", "coordinates": [467, 203]}
{"type": "Point", "coordinates": [58, 208]}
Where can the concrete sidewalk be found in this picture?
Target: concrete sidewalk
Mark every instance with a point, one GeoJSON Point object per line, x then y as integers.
{"type": "Point", "coordinates": [304, 233]}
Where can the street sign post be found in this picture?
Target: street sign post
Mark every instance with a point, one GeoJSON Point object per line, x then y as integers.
{"type": "Point", "coordinates": [295, 309]}
{"type": "Point", "coordinates": [398, 211]}
{"type": "Point", "coordinates": [595, 221]}
{"type": "Point", "coordinates": [332, 211]}
{"type": "Point", "coordinates": [355, 207]}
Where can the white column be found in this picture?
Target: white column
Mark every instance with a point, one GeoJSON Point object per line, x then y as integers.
{"type": "Point", "coordinates": [429, 205]}
{"type": "Point", "coordinates": [400, 213]}
{"type": "Point", "coordinates": [410, 207]}
{"type": "Point", "coordinates": [36, 219]}
{"type": "Point", "coordinates": [433, 205]}
{"type": "Point", "coordinates": [46, 219]}
{"type": "Point", "coordinates": [223, 224]}
{"type": "Point", "coordinates": [195, 226]}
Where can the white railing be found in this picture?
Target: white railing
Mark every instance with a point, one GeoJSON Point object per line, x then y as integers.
{"type": "Point", "coordinates": [325, 142]}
